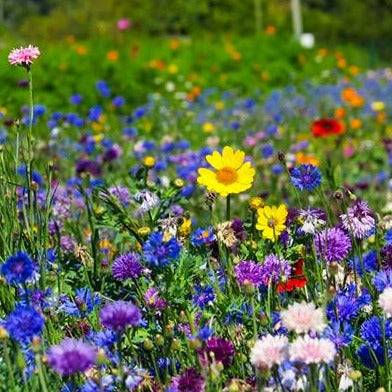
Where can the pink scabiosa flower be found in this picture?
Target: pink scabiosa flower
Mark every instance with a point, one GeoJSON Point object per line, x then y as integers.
{"type": "Point", "coordinates": [385, 301]}
{"type": "Point", "coordinates": [303, 317]}
{"type": "Point", "coordinates": [359, 219]}
{"type": "Point", "coordinates": [123, 24]}
{"type": "Point", "coordinates": [312, 350]}
{"type": "Point", "coordinates": [24, 56]}
{"type": "Point", "coordinates": [269, 351]}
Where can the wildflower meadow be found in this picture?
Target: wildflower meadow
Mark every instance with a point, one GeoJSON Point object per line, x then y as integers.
{"type": "Point", "coordinates": [197, 216]}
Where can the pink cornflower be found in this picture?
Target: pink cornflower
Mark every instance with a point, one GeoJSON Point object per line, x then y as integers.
{"type": "Point", "coordinates": [312, 350]}
{"type": "Point", "coordinates": [269, 351]}
{"type": "Point", "coordinates": [303, 317]}
{"type": "Point", "coordinates": [24, 56]}
{"type": "Point", "coordinates": [385, 301]}
{"type": "Point", "coordinates": [123, 24]}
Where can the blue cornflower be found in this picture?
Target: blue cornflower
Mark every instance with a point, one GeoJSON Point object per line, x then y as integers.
{"type": "Point", "coordinates": [18, 268]}
{"type": "Point", "coordinates": [277, 169]}
{"type": "Point", "coordinates": [118, 101]}
{"type": "Point", "coordinates": [203, 237]}
{"type": "Point", "coordinates": [369, 263]}
{"type": "Point", "coordinates": [39, 110]}
{"type": "Point", "coordinates": [205, 333]}
{"type": "Point", "coordinates": [372, 333]}
{"type": "Point", "coordinates": [388, 236]}
{"type": "Point", "coordinates": [371, 357]}
{"type": "Point", "coordinates": [24, 323]}
{"type": "Point", "coordinates": [3, 136]}
{"type": "Point", "coordinates": [203, 296]}
{"type": "Point", "coordinates": [103, 88]}
{"type": "Point", "coordinates": [130, 132]}
{"type": "Point", "coordinates": [340, 333]}
{"type": "Point", "coordinates": [82, 304]}
{"type": "Point", "coordinates": [267, 150]}
{"type": "Point", "coordinates": [382, 280]}
{"type": "Point", "coordinates": [306, 177]}
{"type": "Point", "coordinates": [346, 304]}
{"type": "Point", "coordinates": [159, 253]}
{"type": "Point", "coordinates": [76, 99]}
{"type": "Point", "coordinates": [95, 113]}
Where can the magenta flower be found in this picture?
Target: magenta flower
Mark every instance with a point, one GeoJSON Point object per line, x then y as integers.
{"type": "Point", "coordinates": [24, 56]}
{"type": "Point", "coordinates": [123, 24]}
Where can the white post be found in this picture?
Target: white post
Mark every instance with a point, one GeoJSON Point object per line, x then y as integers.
{"type": "Point", "coordinates": [297, 18]}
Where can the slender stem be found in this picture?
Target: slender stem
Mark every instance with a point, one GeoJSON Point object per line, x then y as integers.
{"type": "Point", "coordinates": [228, 213]}
{"type": "Point", "coordinates": [9, 364]}
{"type": "Point", "coordinates": [41, 375]}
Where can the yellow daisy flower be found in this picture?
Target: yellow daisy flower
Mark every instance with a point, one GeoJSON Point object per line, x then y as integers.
{"type": "Point", "coordinates": [231, 174]}
{"type": "Point", "coordinates": [271, 221]}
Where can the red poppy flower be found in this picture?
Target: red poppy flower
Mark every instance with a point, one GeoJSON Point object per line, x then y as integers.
{"type": "Point", "coordinates": [327, 127]}
{"type": "Point", "coordinates": [297, 281]}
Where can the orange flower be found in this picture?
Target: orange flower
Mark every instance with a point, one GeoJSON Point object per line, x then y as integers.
{"type": "Point", "coordinates": [270, 30]}
{"type": "Point", "coordinates": [355, 123]}
{"type": "Point", "coordinates": [352, 97]}
{"type": "Point", "coordinates": [174, 43]}
{"type": "Point", "coordinates": [81, 50]}
{"type": "Point", "coordinates": [340, 113]}
{"type": "Point", "coordinates": [112, 55]}
{"type": "Point", "coordinates": [303, 159]}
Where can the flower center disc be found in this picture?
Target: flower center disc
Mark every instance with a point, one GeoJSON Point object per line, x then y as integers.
{"type": "Point", "coordinates": [226, 175]}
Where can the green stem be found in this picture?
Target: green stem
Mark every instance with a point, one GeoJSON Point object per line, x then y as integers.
{"type": "Point", "coordinates": [228, 212]}
{"type": "Point", "coordinates": [41, 375]}
{"type": "Point", "coordinates": [9, 364]}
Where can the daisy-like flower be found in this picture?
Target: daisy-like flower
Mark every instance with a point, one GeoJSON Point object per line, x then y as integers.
{"type": "Point", "coordinates": [359, 219]}
{"type": "Point", "coordinates": [269, 351]}
{"type": "Point", "coordinates": [308, 350]}
{"type": "Point", "coordinates": [385, 301]}
{"type": "Point", "coordinates": [303, 317]}
{"type": "Point", "coordinates": [24, 56]}
{"type": "Point", "coordinates": [230, 175]}
{"type": "Point", "coordinates": [271, 220]}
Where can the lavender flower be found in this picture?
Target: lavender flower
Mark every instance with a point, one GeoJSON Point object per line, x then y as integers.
{"type": "Point", "coordinates": [127, 266]}
{"type": "Point", "coordinates": [71, 356]}
{"type": "Point", "coordinates": [249, 272]}
{"type": "Point", "coordinates": [119, 315]}
{"type": "Point", "coordinates": [332, 244]}
{"type": "Point", "coordinates": [274, 269]}
{"type": "Point", "coordinates": [359, 219]}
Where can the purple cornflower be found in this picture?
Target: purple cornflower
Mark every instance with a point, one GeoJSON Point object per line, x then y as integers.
{"type": "Point", "coordinates": [119, 315]}
{"type": "Point", "coordinates": [217, 349]}
{"type": "Point", "coordinates": [86, 166]}
{"type": "Point", "coordinates": [189, 381]}
{"type": "Point", "coordinates": [24, 323]}
{"type": "Point", "coordinates": [382, 280]}
{"type": "Point", "coordinates": [127, 266]}
{"type": "Point", "coordinates": [306, 177]}
{"type": "Point", "coordinates": [18, 268]}
{"type": "Point", "coordinates": [386, 256]}
{"type": "Point", "coordinates": [332, 244]}
{"type": "Point", "coordinates": [358, 220]}
{"type": "Point", "coordinates": [239, 230]}
{"type": "Point", "coordinates": [249, 273]}
{"type": "Point", "coordinates": [121, 193]}
{"type": "Point", "coordinates": [274, 269]}
{"type": "Point", "coordinates": [153, 300]}
{"type": "Point", "coordinates": [312, 220]}
{"type": "Point", "coordinates": [71, 356]}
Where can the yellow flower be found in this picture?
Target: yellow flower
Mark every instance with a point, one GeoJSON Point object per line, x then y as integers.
{"type": "Point", "coordinates": [231, 174]}
{"type": "Point", "coordinates": [208, 127]}
{"type": "Point", "coordinates": [256, 202]}
{"type": "Point", "coordinates": [271, 221]}
{"type": "Point", "coordinates": [185, 228]}
{"type": "Point", "coordinates": [149, 161]}
{"type": "Point", "coordinates": [378, 106]}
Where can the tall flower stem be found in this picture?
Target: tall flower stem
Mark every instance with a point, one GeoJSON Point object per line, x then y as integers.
{"type": "Point", "coordinates": [30, 134]}
{"type": "Point", "coordinates": [228, 212]}
{"type": "Point", "coordinates": [41, 375]}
